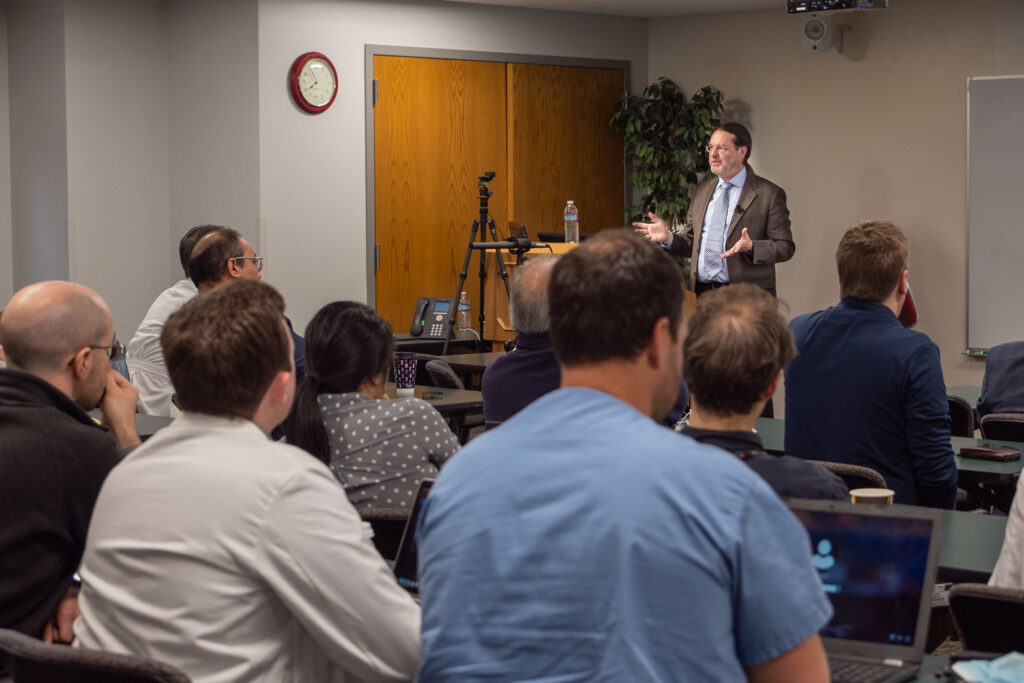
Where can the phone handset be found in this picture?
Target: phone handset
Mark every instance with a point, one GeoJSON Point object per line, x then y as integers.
{"type": "Point", "coordinates": [419, 317]}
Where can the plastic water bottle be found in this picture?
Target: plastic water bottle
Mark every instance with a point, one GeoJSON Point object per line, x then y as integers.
{"type": "Point", "coordinates": [572, 223]}
{"type": "Point", "coordinates": [463, 319]}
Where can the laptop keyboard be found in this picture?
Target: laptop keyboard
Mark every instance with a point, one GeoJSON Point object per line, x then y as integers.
{"type": "Point", "coordinates": [845, 671]}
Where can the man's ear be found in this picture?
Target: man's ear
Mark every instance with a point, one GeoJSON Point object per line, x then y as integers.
{"type": "Point", "coordinates": [773, 386]}
{"type": "Point", "coordinates": [81, 363]}
{"type": "Point", "coordinates": [659, 345]}
{"type": "Point", "coordinates": [280, 390]}
{"type": "Point", "coordinates": [233, 270]}
{"type": "Point", "coordinates": [903, 286]}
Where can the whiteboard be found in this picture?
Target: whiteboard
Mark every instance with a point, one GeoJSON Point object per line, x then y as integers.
{"type": "Point", "coordinates": [995, 210]}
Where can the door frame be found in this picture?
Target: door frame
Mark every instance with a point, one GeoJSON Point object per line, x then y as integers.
{"type": "Point", "coordinates": [371, 51]}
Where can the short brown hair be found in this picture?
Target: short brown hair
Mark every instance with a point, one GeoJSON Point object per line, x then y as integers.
{"type": "Point", "coordinates": [871, 257]}
{"type": "Point", "coordinates": [736, 344]}
{"type": "Point", "coordinates": [223, 349]}
{"type": "Point", "coordinates": [605, 296]}
{"type": "Point", "coordinates": [740, 137]}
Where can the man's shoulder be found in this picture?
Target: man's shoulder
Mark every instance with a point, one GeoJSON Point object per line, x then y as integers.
{"type": "Point", "coordinates": [795, 477]}
{"type": "Point", "coordinates": [1010, 352]}
{"type": "Point", "coordinates": [758, 182]}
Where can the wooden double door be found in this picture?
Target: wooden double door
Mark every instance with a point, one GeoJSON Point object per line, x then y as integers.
{"type": "Point", "coordinates": [440, 123]}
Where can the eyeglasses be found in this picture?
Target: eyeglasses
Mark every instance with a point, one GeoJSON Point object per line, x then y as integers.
{"type": "Point", "coordinates": [257, 259]}
{"type": "Point", "coordinates": [720, 148]}
{"type": "Point", "coordinates": [114, 351]}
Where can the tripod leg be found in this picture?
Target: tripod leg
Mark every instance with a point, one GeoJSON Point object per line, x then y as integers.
{"type": "Point", "coordinates": [462, 283]}
{"type": "Point", "coordinates": [501, 262]}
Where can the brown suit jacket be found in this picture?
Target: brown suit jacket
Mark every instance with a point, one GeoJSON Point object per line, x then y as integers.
{"type": "Point", "coordinates": [761, 209]}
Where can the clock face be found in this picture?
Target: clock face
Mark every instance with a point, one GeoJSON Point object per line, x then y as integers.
{"type": "Point", "coordinates": [313, 82]}
{"type": "Point", "coordinates": [316, 82]}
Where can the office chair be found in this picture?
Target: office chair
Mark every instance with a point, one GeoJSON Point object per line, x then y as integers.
{"type": "Point", "coordinates": [961, 416]}
{"type": "Point", "coordinates": [854, 476]}
{"type": "Point", "coordinates": [1003, 426]}
{"type": "Point", "coordinates": [29, 660]}
{"type": "Point", "coordinates": [988, 618]}
{"type": "Point", "coordinates": [442, 375]}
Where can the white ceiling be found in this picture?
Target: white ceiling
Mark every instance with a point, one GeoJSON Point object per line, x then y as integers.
{"type": "Point", "coordinates": [640, 8]}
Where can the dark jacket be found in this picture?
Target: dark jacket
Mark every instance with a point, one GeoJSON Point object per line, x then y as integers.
{"type": "Point", "coordinates": [789, 476]}
{"type": "Point", "coordinates": [53, 460]}
{"type": "Point", "coordinates": [517, 379]}
{"type": "Point", "coordinates": [866, 391]}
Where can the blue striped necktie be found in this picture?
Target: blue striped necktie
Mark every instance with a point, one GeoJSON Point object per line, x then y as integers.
{"type": "Point", "coordinates": [714, 240]}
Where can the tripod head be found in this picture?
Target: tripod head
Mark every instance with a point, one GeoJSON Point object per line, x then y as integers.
{"type": "Point", "coordinates": [484, 190]}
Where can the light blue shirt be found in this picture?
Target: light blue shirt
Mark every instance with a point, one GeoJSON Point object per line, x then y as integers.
{"type": "Point", "coordinates": [737, 182]}
{"type": "Point", "coordinates": [580, 541]}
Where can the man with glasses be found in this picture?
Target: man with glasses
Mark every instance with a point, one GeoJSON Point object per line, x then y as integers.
{"type": "Point", "coordinates": [59, 342]}
{"type": "Point", "coordinates": [737, 227]}
{"type": "Point", "coordinates": [223, 256]}
{"type": "Point", "coordinates": [145, 357]}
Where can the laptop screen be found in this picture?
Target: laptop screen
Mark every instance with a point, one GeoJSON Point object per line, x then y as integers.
{"type": "Point", "coordinates": [408, 555]}
{"type": "Point", "coordinates": [877, 565]}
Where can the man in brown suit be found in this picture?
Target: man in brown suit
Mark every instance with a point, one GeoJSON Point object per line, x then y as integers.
{"type": "Point", "coordinates": [742, 220]}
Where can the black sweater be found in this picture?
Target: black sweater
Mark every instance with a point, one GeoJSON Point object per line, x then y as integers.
{"type": "Point", "coordinates": [53, 460]}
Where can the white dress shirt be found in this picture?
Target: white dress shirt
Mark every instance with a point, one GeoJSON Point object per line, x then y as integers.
{"type": "Point", "coordinates": [236, 558]}
{"type": "Point", "coordinates": [145, 357]}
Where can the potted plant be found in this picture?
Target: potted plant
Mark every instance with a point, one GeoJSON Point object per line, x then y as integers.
{"type": "Point", "coordinates": [664, 136]}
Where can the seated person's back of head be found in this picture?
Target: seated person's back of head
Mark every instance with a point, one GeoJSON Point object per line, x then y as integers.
{"type": "Point", "coordinates": [735, 350]}
{"type": "Point", "coordinates": [378, 449]}
{"type": "Point", "coordinates": [862, 389]}
{"type": "Point", "coordinates": [581, 540]}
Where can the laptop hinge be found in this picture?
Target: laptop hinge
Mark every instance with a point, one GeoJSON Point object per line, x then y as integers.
{"type": "Point", "coordinates": [892, 662]}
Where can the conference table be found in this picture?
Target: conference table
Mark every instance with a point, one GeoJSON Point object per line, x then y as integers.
{"type": "Point", "coordinates": [147, 425]}
{"type": "Point", "coordinates": [996, 481]}
{"type": "Point", "coordinates": [463, 341]}
{"type": "Point", "coordinates": [470, 366]}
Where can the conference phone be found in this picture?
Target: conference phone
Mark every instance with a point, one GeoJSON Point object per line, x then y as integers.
{"type": "Point", "coordinates": [432, 318]}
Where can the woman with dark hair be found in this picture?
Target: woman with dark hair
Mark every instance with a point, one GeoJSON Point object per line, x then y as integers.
{"type": "Point", "coordinates": [378, 449]}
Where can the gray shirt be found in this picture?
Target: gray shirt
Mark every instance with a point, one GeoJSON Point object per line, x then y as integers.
{"type": "Point", "coordinates": [380, 450]}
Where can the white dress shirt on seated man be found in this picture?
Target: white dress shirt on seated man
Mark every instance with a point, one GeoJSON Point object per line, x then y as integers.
{"type": "Point", "coordinates": [236, 558]}
{"type": "Point", "coordinates": [146, 358]}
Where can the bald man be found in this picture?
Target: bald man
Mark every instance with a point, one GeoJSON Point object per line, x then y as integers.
{"type": "Point", "coordinates": [59, 343]}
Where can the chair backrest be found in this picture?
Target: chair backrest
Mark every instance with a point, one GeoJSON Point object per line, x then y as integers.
{"type": "Point", "coordinates": [961, 416]}
{"type": "Point", "coordinates": [854, 476]}
{"type": "Point", "coordinates": [988, 618]}
{"type": "Point", "coordinates": [442, 375]}
{"type": "Point", "coordinates": [1003, 426]}
{"type": "Point", "coordinates": [29, 660]}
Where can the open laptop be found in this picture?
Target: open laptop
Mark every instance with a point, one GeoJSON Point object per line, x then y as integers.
{"type": "Point", "coordinates": [878, 566]}
{"type": "Point", "coordinates": [408, 556]}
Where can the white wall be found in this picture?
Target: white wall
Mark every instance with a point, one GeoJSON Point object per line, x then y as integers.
{"type": "Point", "coordinates": [38, 141]}
{"type": "Point", "coordinates": [213, 114]}
{"type": "Point", "coordinates": [313, 168]}
{"type": "Point", "coordinates": [6, 264]}
{"type": "Point", "coordinates": [879, 131]}
{"type": "Point", "coordinates": [117, 153]}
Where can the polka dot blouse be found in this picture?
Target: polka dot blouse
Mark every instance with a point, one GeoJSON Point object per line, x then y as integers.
{"type": "Point", "coordinates": [380, 450]}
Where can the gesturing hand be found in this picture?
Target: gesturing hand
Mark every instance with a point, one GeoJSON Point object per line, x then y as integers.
{"type": "Point", "coordinates": [743, 244]}
{"type": "Point", "coordinates": [655, 231]}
